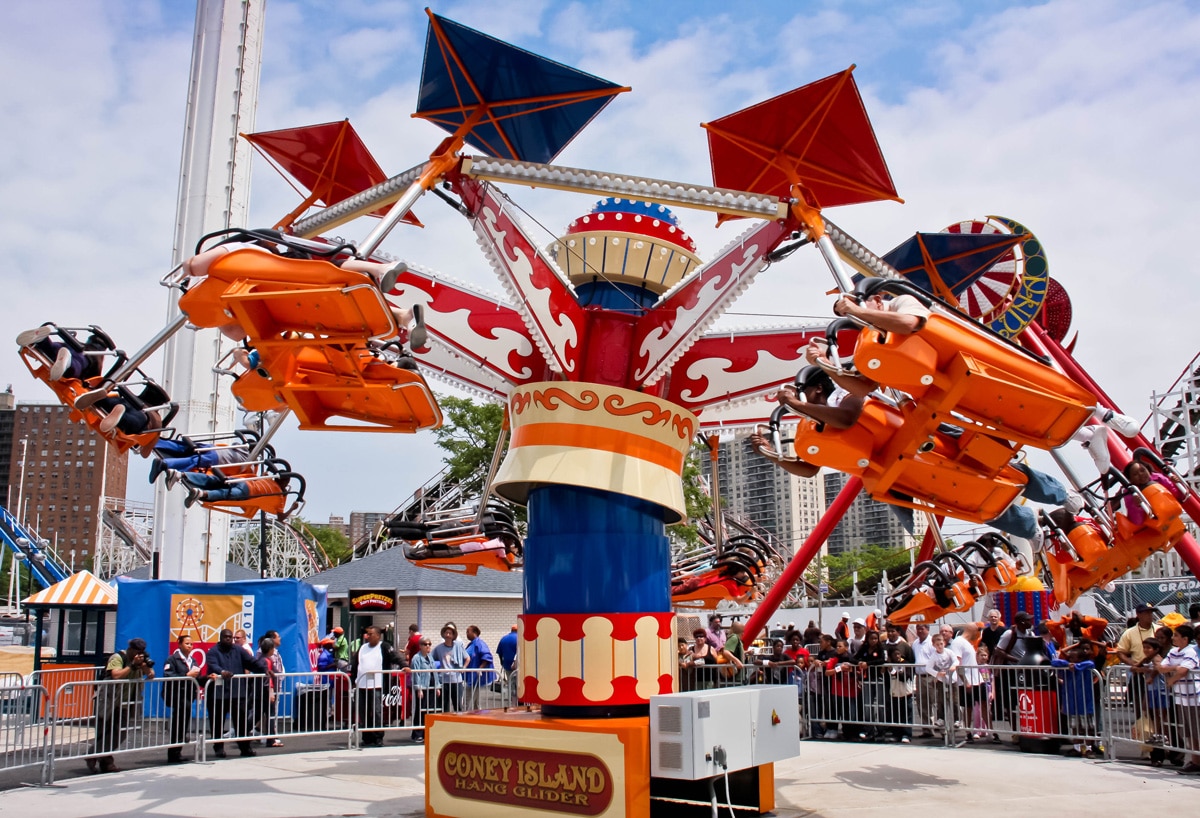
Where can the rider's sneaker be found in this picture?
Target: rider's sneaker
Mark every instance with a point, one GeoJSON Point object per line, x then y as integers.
{"type": "Point", "coordinates": [61, 362]}
{"type": "Point", "coordinates": [31, 336]}
{"type": "Point", "coordinates": [1122, 424]}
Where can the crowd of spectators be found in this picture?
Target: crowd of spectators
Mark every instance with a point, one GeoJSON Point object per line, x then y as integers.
{"type": "Point", "coordinates": [871, 681]}
{"type": "Point", "coordinates": [241, 685]}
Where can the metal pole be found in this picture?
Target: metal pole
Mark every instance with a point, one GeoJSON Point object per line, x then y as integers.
{"type": "Point", "coordinates": [399, 210]}
{"type": "Point", "coordinates": [834, 261]}
{"type": "Point", "coordinates": [21, 485]}
{"type": "Point", "coordinates": [262, 544]}
{"type": "Point", "coordinates": [268, 433]}
{"type": "Point", "coordinates": [795, 569]}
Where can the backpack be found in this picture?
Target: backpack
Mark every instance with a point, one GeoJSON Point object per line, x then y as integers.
{"type": "Point", "coordinates": [106, 674]}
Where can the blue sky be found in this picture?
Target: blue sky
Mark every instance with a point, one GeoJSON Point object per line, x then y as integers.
{"type": "Point", "coordinates": [1078, 119]}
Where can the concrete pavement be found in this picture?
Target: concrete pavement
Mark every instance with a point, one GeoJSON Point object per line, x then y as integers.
{"type": "Point", "coordinates": [828, 779]}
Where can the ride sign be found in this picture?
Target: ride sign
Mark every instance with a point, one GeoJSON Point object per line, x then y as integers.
{"type": "Point", "coordinates": [564, 782]}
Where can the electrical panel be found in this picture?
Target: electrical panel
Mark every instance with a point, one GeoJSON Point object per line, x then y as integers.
{"type": "Point", "coordinates": [705, 733]}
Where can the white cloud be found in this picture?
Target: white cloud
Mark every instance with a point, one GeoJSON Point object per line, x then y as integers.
{"type": "Point", "coordinates": [1076, 118]}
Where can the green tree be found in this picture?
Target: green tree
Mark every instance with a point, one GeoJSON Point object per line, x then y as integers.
{"type": "Point", "coordinates": [696, 501]}
{"type": "Point", "coordinates": [468, 434]}
{"type": "Point", "coordinates": [335, 545]}
{"type": "Point", "coordinates": [870, 561]}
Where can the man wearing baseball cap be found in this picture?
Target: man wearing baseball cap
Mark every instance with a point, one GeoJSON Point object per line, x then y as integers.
{"type": "Point", "coordinates": [341, 648]}
{"type": "Point", "coordinates": [1129, 651]}
{"type": "Point", "coordinates": [860, 635]}
{"type": "Point", "coordinates": [1129, 646]}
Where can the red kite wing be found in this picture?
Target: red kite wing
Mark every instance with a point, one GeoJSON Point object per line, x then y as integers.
{"type": "Point", "coordinates": [817, 136]}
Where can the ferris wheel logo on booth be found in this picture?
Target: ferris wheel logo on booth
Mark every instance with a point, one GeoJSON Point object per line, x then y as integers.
{"type": "Point", "coordinates": [372, 601]}
{"type": "Point", "coordinates": [204, 616]}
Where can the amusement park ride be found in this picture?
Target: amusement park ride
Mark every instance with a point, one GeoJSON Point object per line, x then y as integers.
{"type": "Point", "coordinates": [605, 360]}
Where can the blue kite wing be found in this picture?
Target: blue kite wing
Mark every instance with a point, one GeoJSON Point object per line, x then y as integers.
{"type": "Point", "coordinates": [533, 106]}
{"type": "Point", "coordinates": [958, 259]}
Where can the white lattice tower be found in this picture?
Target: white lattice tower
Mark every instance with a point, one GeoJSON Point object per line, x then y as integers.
{"type": "Point", "coordinates": [289, 554]}
{"type": "Point", "coordinates": [115, 553]}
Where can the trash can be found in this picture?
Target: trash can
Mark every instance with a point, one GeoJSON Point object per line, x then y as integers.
{"type": "Point", "coordinates": [1037, 700]}
{"type": "Point", "coordinates": [312, 708]}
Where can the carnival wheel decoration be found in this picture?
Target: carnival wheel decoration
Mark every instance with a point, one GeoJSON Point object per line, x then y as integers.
{"type": "Point", "coordinates": [1011, 292]}
{"type": "Point", "coordinates": [1057, 311]}
{"type": "Point", "coordinates": [189, 613]}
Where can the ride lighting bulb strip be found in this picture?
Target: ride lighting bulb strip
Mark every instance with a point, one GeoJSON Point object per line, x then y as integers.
{"type": "Point", "coordinates": [858, 256]}
{"type": "Point", "coordinates": [370, 199]}
{"type": "Point", "coordinates": [697, 197]}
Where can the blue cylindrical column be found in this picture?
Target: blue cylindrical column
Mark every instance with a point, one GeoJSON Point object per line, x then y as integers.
{"type": "Point", "coordinates": [617, 543]}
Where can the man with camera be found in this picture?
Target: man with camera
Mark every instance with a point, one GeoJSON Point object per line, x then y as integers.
{"type": "Point", "coordinates": [125, 671]}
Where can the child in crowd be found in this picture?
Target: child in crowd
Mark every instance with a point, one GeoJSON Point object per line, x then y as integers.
{"type": "Point", "coordinates": [979, 721]}
{"type": "Point", "coordinates": [843, 688]}
{"type": "Point", "coordinates": [941, 665]}
{"type": "Point", "coordinates": [1076, 696]}
{"type": "Point", "coordinates": [901, 686]}
{"type": "Point", "coordinates": [1157, 700]}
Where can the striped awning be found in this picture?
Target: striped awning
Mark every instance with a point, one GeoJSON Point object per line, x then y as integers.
{"type": "Point", "coordinates": [83, 588]}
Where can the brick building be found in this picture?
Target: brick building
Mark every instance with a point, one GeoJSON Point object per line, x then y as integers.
{"type": "Point", "coordinates": [362, 524]}
{"type": "Point", "coordinates": [8, 411]}
{"type": "Point", "coordinates": [59, 471]}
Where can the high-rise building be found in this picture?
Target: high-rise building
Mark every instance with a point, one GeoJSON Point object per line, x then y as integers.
{"type": "Point", "coordinates": [868, 522]}
{"type": "Point", "coordinates": [362, 524]}
{"type": "Point", "coordinates": [59, 472]}
{"type": "Point", "coordinates": [8, 410]}
{"type": "Point", "coordinates": [754, 488]}
{"type": "Point", "coordinates": [338, 523]}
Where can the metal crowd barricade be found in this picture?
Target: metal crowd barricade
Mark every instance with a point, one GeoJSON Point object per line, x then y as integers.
{"type": "Point", "coordinates": [124, 716]}
{"type": "Point", "coordinates": [876, 702]}
{"type": "Point", "coordinates": [399, 700]}
{"type": "Point", "coordinates": [52, 678]}
{"type": "Point", "coordinates": [1143, 714]}
{"type": "Point", "coordinates": [248, 708]}
{"type": "Point", "coordinates": [22, 728]}
{"type": "Point", "coordinates": [1047, 706]}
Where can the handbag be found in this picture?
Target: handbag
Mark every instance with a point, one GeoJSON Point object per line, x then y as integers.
{"type": "Point", "coordinates": [901, 686]}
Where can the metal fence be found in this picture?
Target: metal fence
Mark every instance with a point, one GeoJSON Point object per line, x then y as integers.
{"type": "Point", "coordinates": [1025, 705]}
{"type": "Point", "coordinates": [22, 737]}
{"type": "Point", "coordinates": [1159, 721]}
{"type": "Point", "coordinates": [1036, 707]}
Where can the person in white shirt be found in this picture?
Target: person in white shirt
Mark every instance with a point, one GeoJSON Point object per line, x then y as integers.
{"type": "Point", "coordinates": [860, 636]}
{"type": "Point", "coordinates": [940, 665]}
{"type": "Point", "coordinates": [922, 646]}
{"type": "Point", "coordinates": [368, 668]}
{"type": "Point", "coordinates": [1180, 669]}
{"type": "Point", "coordinates": [969, 681]}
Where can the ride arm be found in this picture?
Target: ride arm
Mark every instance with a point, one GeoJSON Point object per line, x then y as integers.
{"type": "Point", "coordinates": [545, 300]}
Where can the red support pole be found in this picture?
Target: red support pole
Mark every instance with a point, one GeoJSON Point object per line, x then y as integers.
{"type": "Point", "coordinates": [795, 569]}
{"type": "Point", "coordinates": [929, 541]}
{"type": "Point", "coordinates": [1187, 548]}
